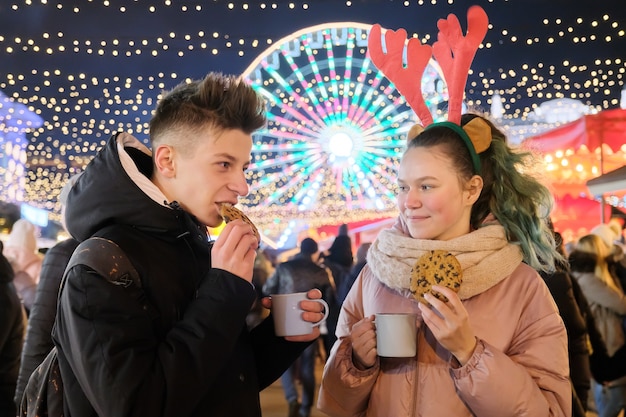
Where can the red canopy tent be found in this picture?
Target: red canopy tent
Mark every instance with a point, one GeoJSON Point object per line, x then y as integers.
{"type": "Point", "coordinates": [607, 127]}
{"type": "Point", "coordinates": [581, 150]}
{"type": "Point", "coordinates": [576, 216]}
{"type": "Point", "coordinates": [576, 153]}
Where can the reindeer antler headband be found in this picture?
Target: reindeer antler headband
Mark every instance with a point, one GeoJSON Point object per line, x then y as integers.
{"type": "Point", "coordinates": [454, 53]}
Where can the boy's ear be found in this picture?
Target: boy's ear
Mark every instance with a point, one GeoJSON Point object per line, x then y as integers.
{"type": "Point", "coordinates": [164, 161]}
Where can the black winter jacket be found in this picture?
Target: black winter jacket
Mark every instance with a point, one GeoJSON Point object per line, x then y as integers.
{"type": "Point", "coordinates": [561, 286]}
{"type": "Point", "coordinates": [297, 275]}
{"type": "Point", "coordinates": [177, 346]}
{"type": "Point", "coordinates": [38, 340]}
{"type": "Point", "coordinates": [12, 329]}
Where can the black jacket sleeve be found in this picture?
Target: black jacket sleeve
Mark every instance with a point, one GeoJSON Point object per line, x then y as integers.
{"type": "Point", "coordinates": [106, 341]}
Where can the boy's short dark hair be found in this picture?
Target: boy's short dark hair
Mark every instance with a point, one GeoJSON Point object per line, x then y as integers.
{"type": "Point", "coordinates": [219, 101]}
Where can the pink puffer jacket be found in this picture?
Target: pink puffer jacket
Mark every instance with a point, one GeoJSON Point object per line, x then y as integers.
{"type": "Point", "coordinates": [519, 368]}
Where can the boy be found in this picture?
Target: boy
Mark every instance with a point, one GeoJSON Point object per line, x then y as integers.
{"type": "Point", "coordinates": [177, 344]}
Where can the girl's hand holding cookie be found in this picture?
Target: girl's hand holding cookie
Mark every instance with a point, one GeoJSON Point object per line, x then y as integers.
{"type": "Point", "coordinates": [449, 322]}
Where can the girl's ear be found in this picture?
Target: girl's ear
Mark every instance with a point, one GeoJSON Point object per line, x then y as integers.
{"type": "Point", "coordinates": [474, 188]}
{"type": "Point", "coordinates": [164, 161]}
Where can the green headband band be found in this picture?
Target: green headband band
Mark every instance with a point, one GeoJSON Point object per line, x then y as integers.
{"type": "Point", "coordinates": [468, 142]}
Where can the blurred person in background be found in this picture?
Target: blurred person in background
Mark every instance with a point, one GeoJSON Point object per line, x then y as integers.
{"type": "Point", "coordinates": [12, 329]}
{"type": "Point", "coordinates": [339, 260]}
{"type": "Point", "coordinates": [616, 260]}
{"type": "Point", "coordinates": [38, 340]}
{"type": "Point", "coordinates": [21, 251]}
{"type": "Point", "coordinates": [299, 274]}
{"type": "Point", "coordinates": [607, 303]}
{"type": "Point", "coordinates": [361, 260]}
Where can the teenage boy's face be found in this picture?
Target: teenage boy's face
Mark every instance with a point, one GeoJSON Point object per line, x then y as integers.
{"type": "Point", "coordinates": [213, 173]}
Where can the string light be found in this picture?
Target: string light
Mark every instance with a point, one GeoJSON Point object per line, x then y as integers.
{"type": "Point", "coordinates": [84, 83]}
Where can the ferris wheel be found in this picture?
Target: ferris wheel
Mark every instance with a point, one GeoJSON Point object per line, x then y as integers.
{"type": "Point", "coordinates": [336, 129]}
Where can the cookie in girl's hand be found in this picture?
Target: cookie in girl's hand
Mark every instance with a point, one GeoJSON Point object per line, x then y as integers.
{"type": "Point", "coordinates": [435, 267]}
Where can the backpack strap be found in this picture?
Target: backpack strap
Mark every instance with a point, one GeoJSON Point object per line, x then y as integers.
{"type": "Point", "coordinates": [43, 394]}
{"type": "Point", "coordinates": [106, 258]}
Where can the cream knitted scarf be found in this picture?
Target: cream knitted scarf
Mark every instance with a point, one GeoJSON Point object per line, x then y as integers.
{"type": "Point", "coordinates": [484, 254]}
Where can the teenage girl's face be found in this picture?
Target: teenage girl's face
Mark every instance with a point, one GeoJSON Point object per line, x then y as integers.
{"type": "Point", "coordinates": [431, 199]}
{"type": "Point", "coordinates": [213, 173]}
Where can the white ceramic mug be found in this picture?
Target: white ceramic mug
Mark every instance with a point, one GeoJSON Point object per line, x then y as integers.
{"type": "Point", "coordinates": [287, 314]}
{"type": "Point", "coordinates": [396, 335]}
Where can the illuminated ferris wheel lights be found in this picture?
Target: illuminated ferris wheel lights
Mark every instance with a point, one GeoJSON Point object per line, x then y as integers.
{"type": "Point", "coordinates": [335, 131]}
{"type": "Point", "coordinates": [340, 144]}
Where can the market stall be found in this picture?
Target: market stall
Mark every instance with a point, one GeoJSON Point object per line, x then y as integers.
{"type": "Point", "coordinates": [611, 182]}
{"type": "Point", "coordinates": [574, 155]}
{"type": "Point", "coordinates": [577, 152]}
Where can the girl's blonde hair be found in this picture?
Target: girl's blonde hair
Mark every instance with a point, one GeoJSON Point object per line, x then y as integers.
{"type": "Point", "coordinates": [594, 245]}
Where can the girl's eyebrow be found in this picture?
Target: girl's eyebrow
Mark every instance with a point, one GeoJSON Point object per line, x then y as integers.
{"type": "Point", "coordinates": [426, 177]}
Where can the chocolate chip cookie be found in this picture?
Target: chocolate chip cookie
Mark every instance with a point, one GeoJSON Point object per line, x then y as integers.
{"type": "Point", "coordinates": [230, 213]}
{"type": "Point", "coordinates": [435, 267]}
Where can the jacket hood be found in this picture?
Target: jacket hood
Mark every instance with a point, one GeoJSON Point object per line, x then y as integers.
{"type": "Point", "coordinates": [115, 188]}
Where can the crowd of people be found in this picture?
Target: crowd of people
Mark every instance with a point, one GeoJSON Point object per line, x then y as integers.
{"type": "Point", "coordinates": [598, 266]}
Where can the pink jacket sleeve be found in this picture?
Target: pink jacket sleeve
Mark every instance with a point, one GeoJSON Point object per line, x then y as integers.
{"type": "Point", "coordinates": [345, 390]}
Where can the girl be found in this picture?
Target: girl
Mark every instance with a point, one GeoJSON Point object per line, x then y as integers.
{"type": "Point", "coordinates": [589, 265]}
{"type": "Point", "coordinates": [498, 347]}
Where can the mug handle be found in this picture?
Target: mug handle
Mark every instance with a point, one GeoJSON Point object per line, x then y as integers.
{"type": "Point", "coordinates": [326, 309]}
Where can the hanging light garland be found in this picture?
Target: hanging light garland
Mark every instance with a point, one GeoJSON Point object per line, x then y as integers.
{"type": "Point", "coordinates": [114, 81]}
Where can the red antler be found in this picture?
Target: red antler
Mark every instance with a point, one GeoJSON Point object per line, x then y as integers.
{"type": "Point", "coordinates": [408, 80]}
{"type": "Point", "coordinates": [455, 54]}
